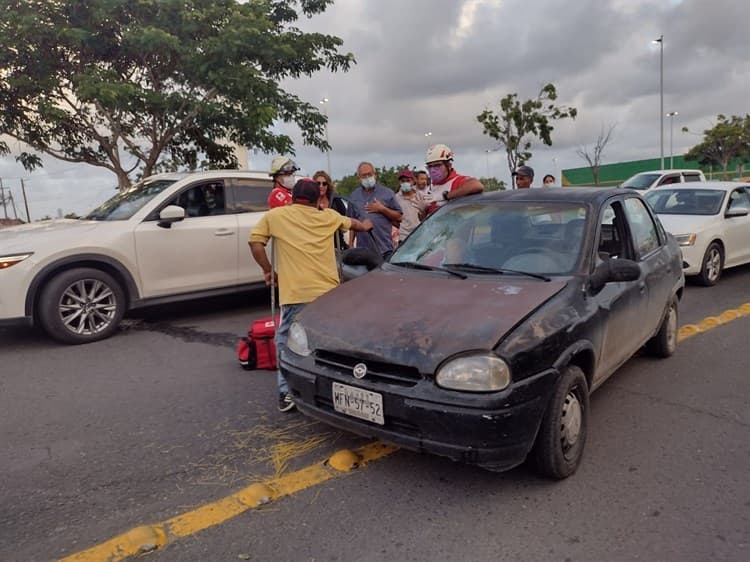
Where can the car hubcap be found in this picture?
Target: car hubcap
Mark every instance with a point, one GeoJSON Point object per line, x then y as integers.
{"type": "Point", "coordinates": [87, 307]}
{"type": "Point", "coordinates": [570, 422]}
{"type": "Point", "coordinates": [713, 264]}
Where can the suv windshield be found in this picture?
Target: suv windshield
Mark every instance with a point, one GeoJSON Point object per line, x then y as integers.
{"type": "Point", "coordinates": [482, 239]}
{"type": "Point", "coordinates": [125, 204]}
{"type": "Point", "coordinates": [641, 181]}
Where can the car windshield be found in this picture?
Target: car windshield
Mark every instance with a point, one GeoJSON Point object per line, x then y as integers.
{"type": "Point", "coordinates": [666, 201]}
{"type": "Point", "coordinates": [498, 238]}
{"type": "Point", "coordinates": [126, 203]}
{"type": "Point", "coordinates": [641, 181]}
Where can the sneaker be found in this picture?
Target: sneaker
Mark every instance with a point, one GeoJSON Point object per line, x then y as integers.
{"type": "Point", "coordinates": [286, 404]}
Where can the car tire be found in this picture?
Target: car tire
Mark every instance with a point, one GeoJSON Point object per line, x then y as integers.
{"type": "Point", "coordinates": [561, 438]}
{"type": "Point", "coordinates": [81, 305]}
{"type": "Point", "coordinates": [664, 342]}
{"type": "Point", "coordinates": [712, 265]}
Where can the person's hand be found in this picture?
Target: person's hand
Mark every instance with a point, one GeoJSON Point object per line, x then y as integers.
{"type": "Point", "coordinates": [374, 206]}
{"type": "Point", "coordinates": [267, 277]}
{"type": "Point", "coordinates": [367, 223]}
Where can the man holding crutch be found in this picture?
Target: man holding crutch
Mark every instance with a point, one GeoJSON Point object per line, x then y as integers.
{"type": "Point", "coordinates": [305, 260]}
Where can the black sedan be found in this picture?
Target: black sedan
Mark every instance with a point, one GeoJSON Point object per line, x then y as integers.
{"type": "Point", "coordinates": [484, 334]}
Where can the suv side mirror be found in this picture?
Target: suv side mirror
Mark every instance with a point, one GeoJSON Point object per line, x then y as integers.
{"type": "Point", "coordinates": [614, 271]}
{"type": "Point", "coordinates": [170, 214]}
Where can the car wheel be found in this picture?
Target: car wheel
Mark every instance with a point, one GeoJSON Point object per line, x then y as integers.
{"type": "Point", "coordinates": [713, 263]}
{"type": "Point", "coordinates": [562, 435]}
{"type": "Point", "coordinates": [81, 305]}
{"type": "Point", "coordinates": [664, 342]}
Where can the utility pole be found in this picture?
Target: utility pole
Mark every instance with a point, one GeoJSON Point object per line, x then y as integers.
{"type": "Point", "coordinates": [2, 197]}
{"type": "Point", "coordinates": [25, 201]}
{"type": "Point", "coordinates": [13, 204]}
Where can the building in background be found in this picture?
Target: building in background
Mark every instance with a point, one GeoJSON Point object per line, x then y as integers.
{"type": "Point", "coordinates": [614, 174]}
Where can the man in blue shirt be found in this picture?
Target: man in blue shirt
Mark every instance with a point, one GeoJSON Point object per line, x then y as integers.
{"type": "Point", "coordinates": [377, 203]}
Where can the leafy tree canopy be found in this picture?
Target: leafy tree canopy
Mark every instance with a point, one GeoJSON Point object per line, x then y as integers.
{"type": "Point", "coordinates": [145, 84]}
{"type": "Point", "coordinates": [725, 141]}
{"type": "Point", "coordinates": [518, 122]}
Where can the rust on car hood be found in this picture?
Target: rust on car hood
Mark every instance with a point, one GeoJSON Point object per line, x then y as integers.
{"type": "Point", "coordinates": [421, 319]}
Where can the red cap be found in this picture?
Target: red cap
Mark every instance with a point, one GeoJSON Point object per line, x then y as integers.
{"type": "Point", "coordinates": [406, 173]}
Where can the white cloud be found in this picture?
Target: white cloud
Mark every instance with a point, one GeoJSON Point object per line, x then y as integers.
{"type": "Point", "coordinates": [433, 65]}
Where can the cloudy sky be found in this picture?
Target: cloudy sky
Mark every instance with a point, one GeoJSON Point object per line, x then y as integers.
{"type": "Point", "coordinates": [434, 65]}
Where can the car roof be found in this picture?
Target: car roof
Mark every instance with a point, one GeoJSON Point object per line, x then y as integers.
{"type": "Point", "coordinates": [208, 174]}
{"type": "Point", "coordinates": [676, 170]}
{"type": "Point", "coordinates": [585, 195]}
{"type": "Point", "coordinates": [718, 185]}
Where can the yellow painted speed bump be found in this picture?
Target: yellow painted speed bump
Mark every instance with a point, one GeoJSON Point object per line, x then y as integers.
{"type": "Point", "coordinates": [711, 322]}
{"type": "Point", "coordinates": [148, 538]}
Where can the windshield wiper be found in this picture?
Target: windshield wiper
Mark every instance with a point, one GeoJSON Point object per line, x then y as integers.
{"type": "Point", "coordinates": [417, 265]}
{"type": "Point", "coordinates": [501, 271]}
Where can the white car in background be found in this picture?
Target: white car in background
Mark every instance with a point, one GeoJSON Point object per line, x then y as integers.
{"type": "Point", "coordinates": [711, 222]}
{"type": "Point", "coordinates": [171, 237]}
{"type": "Point", "coordinates": [646, 181]}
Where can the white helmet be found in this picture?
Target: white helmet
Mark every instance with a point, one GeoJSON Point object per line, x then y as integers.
{"type": "Point", "coordinates": [282, 165]}
{"type": "Point", "coordinates": [438, 153]}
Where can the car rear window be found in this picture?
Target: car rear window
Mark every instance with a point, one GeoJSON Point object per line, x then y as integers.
{"type": "Point", "coordinates": [250, 195]}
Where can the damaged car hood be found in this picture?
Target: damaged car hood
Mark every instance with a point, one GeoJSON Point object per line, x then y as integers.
{"type": "Point", "coordinates": [421, 319]}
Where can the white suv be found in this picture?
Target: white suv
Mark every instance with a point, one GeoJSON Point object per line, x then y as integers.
{"type": "Point", "coordinates": [645, 181]}
{"type": "Point", "coordinates": [171, 237]}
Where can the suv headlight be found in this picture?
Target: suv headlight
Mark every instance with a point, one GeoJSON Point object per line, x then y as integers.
{"type": "Point", "coordinates": [474, 373]}
{"type": "Point", "coordinates": [13, 259]}
{"type": "Point", "coordinates": [297, 340]}
{"type": "Point", "coordinates": [685, 239]}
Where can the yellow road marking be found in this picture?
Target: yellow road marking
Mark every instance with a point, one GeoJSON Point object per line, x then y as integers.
{"type": "Point", "coordinates": [151, 537]}
{"type": "Point", "coordinates": [711, 322]}
{"type": "Point", "coordinates": [147, 538]}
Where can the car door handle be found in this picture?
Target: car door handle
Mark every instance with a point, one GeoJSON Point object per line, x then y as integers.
{"type": "Point", "coordinates": [224, 232]}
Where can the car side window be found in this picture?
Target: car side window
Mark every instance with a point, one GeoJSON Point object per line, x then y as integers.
{"type": "Point", "coordinates": [691, 177]}
{"type": "Point", "coordinates": [202, 199]}
{"type": "Point", "coordinates": [250, 195]}
{"type": "Point", "coordinates": [672, 178]}
{"type": "Point", "coordinates": [642, 226]}
{"type": "Point", "coordinates": [611, 234]}
{"type": "Point", "coordinates": [739, 199]}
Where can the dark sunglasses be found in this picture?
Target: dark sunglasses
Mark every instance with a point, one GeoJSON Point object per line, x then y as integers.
{"type": "Point", "coordinates": [323, 183]}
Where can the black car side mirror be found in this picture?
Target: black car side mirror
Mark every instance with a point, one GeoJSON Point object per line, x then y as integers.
{"type": "Point", "coordinates": [614, 271]}
{"type": "Point", "coordinates": [358, 261]}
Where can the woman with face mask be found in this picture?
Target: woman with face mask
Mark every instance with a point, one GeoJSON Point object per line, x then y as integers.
{"type": "Point", "coordinates": [412, 204]}
{"type": "Point", "coordinates": [447, 184]}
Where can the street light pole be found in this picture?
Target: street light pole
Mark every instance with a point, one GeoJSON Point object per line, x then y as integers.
{"type": "Point", "coordinates": [660, 40]}
{"type": "Point", "coordinates": [671, 115]}
{"type": "Point", "coordinates": [324, 103]}
{"type": "Point", "coordinates": [427, 136]}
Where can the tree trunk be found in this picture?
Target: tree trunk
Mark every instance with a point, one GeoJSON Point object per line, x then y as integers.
{"type": "Point", "coordinates": [123, 181]}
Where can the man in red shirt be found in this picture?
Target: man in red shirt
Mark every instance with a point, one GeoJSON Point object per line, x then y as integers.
{"type": "Point", "coordinates": [282, 171]}
{"type": "Point", "coordinates": [447, 184]}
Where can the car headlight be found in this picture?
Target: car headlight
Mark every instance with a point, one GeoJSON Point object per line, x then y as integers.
{"type": "Point", "coordinates": [685, 239]}
{"type": "Point", "coordinates": [297, 340]}
{"type": "Point", "coordinates": [13, 259]}
{"type": "Point", "coordinates": [474, 373]}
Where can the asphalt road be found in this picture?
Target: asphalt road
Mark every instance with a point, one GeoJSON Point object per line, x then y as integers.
{"type": "Point", "coordinates": [160, 419]}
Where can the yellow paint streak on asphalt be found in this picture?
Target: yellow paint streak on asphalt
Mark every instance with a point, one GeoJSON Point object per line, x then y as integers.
{"type": "Point", "coordinates": [147, 538]}
{"type": "Point", "coordinates": [711, 322]}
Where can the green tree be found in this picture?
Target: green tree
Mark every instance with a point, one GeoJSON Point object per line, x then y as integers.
{"type": "Point", "coordinates": [729, 139]}
{"type": "Point", "coordinates": [142, 85]}
{"type": "Point", "coordinates": [517, 123]}
{"type": "Point", "coordinates": [493, 184]}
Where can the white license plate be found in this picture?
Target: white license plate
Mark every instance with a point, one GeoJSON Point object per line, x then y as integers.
{"type": "Point", "coordinates": [358, 403]}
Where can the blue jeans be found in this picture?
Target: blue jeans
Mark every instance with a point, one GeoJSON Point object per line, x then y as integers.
{"type": "Point", "coordinates": [288, 314]}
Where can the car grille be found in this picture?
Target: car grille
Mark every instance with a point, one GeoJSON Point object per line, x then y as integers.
{"type": "Point", "coordinates": [376, 370]}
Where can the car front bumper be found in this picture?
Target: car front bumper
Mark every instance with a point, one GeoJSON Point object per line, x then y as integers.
{"type": "Point", "coordinates": [692, 259]}
{"type": "Point", "coordinates": [496, 431]}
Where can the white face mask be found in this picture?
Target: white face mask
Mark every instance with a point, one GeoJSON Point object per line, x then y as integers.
{"type": "Point", "coordinates": [288, 182]}
{"type": "Point", "coordinates": [368, 183]}
{"type": "Point", "coordinates": [405, 187]}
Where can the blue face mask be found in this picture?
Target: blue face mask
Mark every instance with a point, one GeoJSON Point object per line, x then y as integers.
{"type": "Point", "coordinates": [406, 187]}
{"type": "Point", "coordinates": [368, 183]}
